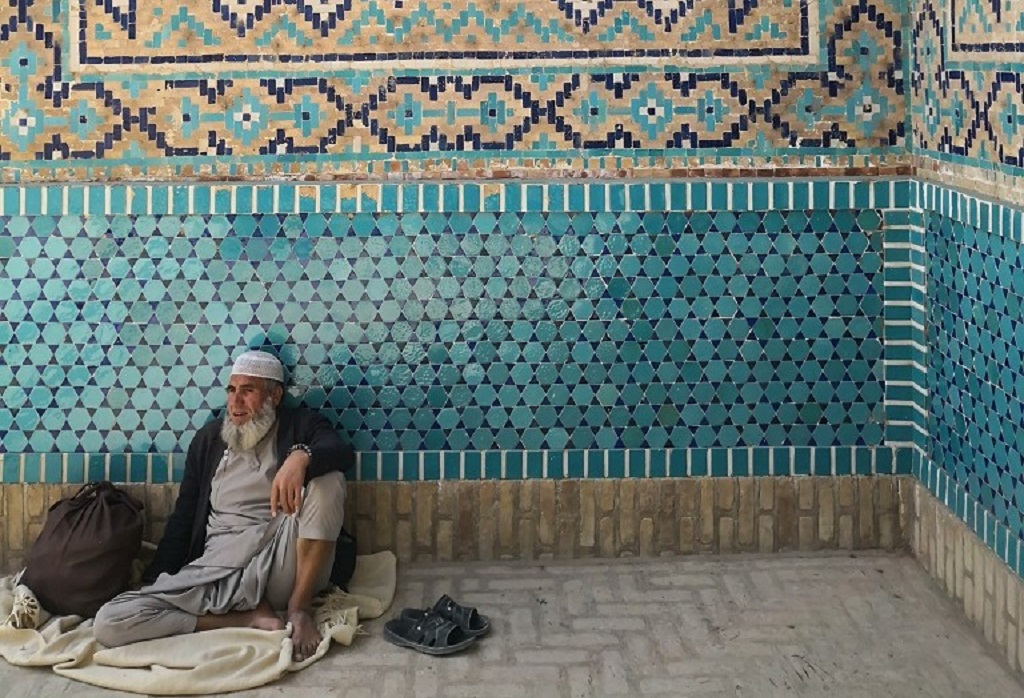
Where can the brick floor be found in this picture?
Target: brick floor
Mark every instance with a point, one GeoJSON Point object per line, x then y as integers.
{"type": "Point", "coordinates": [869, 625]}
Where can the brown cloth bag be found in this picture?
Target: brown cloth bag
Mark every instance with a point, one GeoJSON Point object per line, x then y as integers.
{"type": "Point", "coordinates": [83, 558]}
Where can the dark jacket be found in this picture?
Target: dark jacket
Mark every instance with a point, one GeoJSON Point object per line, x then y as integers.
{"type": "Point", "coordinates": [185, 535]}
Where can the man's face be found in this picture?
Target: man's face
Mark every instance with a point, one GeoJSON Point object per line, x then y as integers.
{"type": "Point", "coordinates": [246, 395]}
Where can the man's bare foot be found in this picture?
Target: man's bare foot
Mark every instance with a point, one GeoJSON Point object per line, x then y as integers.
{"type": "Point", "coordinates": [262, 618]}
{"type": "Point", "coordinates": [305, 636]}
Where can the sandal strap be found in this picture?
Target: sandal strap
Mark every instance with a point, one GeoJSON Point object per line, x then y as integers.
{"type": "Point", "coordinates": [433, 630]}
{"type": "Point", "coordinates": [462, 616]}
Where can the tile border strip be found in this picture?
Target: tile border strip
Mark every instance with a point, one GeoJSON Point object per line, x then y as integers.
{"type": "Point", "coordinates": [995, 217]}
{"type": "Point", "coordinates": [454, 197]}
{"type": "Point", "coordinates": [996, 536]}
{"type": "Point", "coordinates": [905, 360]}
{"type": "Point", "coordinates": [397, 466]}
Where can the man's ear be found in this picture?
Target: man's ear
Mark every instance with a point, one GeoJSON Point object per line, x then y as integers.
{"type": "Point", "coordinates": [276, 393]}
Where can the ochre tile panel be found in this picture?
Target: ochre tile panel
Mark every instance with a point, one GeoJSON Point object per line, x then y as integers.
{"type": "Point", "coordinates": [370, 89]}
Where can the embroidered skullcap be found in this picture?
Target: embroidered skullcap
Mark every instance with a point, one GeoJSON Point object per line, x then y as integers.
{"type": "Point", "coordinates": [259, 364]}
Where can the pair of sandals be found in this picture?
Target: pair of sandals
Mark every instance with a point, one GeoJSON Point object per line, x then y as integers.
{"type": "Point", "coordinates": [444, 628]}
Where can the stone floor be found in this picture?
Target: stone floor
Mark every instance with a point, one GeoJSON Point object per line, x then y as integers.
{"type": "Point", "coordinates": [871, 625]}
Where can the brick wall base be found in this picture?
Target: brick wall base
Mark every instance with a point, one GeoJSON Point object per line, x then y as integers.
{"type": "Point", "coordinates": [544, 519]}
{"type": "Point", "coordinates": [990, 593]}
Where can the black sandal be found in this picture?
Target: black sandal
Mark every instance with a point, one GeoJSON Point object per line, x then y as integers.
{"type": "Point", "coordinates": [467, 619]}
{"type": "Point", "coordinates": [430, 634]}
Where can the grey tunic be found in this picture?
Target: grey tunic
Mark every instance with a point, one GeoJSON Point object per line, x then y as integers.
{"type": "Point", "coordinates": [249, 555]}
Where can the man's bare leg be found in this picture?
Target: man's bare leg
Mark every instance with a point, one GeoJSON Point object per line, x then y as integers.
{"type": "Point", "coordinates": [262, 618]}
{"type": "Point", "coordinates": [311, 557]}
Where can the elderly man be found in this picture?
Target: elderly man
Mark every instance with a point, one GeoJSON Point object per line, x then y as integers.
{"type": "Point", "coordinates": [254, 530]}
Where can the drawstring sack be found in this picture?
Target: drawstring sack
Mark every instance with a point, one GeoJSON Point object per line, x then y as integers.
{"type": "Point", "coordinates": [83, 557]}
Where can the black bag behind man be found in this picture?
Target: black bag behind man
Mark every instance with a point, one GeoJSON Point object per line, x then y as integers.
{"type": "Point", "coordinates": [83, 557]}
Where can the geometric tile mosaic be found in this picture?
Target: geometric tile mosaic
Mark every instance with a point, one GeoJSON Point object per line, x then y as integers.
{"type": "Point", "coordinates": [141, 35]}
{"type": "Point", "coordinates": [122, 90]}
{"type": "Point", "coordinates": [961, 323]}
{"type": "Point", "coordinates": [88, 295]}
{"type": "Point", "coordinates": [993, 530]}
{"type": "Point", "coordinates": [971, 459]}
{"type": "Point", "coordinates": [965, 83]}
{"type": "Point", "coordinates": [984, 28]}
{"type": "Point", "coordinates": [451, 332]}
{"type": "Point", "coordinates": [976, 368]}
{"type": "Point", "coordinates": [110, 292]}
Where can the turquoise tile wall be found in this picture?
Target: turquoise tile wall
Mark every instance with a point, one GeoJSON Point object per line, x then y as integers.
{"type": "Point", "coordinates": [988, 526]}
{"type": "Point", "coordinates": [974, 457]}
{"type": "Point", "coordinates": [483, 330]}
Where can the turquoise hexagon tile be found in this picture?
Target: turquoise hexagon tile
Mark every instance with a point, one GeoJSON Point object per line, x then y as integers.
{"type": "Point", "coordinates": [537, 330]}
{"type": "Point", "coordinates": [591, 330]}
{"type": "Point", "coordinates": [975, 399]}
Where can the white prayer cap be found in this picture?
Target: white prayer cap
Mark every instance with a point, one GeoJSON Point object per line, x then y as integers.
{"type": "Point", "coordinates": [259, 364]}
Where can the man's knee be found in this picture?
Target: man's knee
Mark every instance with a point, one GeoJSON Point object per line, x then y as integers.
{"type": "Point", "coordinates": [107, 625]}
{"type": "Point", "coordinates": [133, 617]}
{"type": "Point", "coordinates": [323, 510]}
{"type": "Point", "coordinates": [329, 488]}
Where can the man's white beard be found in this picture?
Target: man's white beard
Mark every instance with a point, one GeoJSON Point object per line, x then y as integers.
{"type": "Point", "coordinates": [248, 435]}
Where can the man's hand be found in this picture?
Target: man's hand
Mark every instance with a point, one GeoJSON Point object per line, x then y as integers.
{"type": "Point", "coordinates": [286, 490]}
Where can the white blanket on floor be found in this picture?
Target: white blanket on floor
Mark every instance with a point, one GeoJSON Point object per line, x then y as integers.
{"type": "Point", "coordinates": [215, 661]}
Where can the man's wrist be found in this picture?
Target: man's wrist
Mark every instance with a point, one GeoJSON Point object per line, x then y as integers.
{"type": "Point", "coordinates": [301, 448]}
